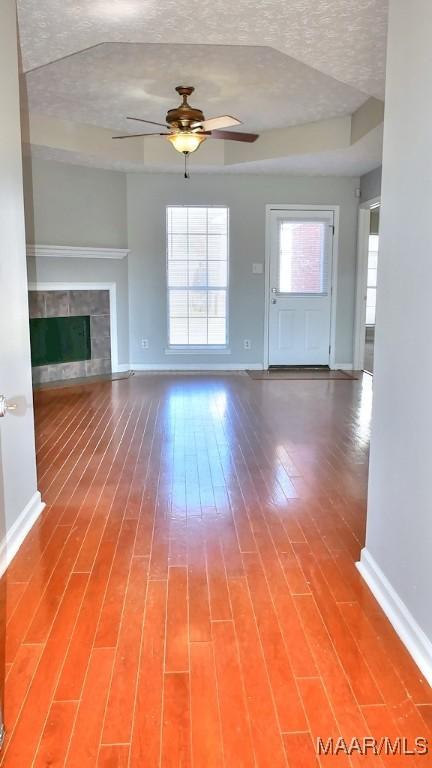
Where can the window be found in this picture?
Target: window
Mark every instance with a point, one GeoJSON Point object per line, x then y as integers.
{"type": "Point", "coordinates": [372, 279]}
{"type": "Point", "coordinates": [197, 271]}
{"type": "Point", "coordinates": [302, 263]}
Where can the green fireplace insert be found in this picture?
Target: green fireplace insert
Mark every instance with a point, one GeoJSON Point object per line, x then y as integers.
{"type": "Point", "coordinates": [60, 339]}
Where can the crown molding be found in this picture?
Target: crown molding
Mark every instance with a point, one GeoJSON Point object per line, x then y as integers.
{"type": "Point", "coordinates": [74, 252]}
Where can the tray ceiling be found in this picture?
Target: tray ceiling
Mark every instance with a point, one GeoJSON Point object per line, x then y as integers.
{"type": "Point", "coordinates": [263, 87]}
{"type": "Point", "coordinates": [273, 63]}
{"type": "Point", "coordinates": [344, 39]}
{"type": "Point", "coordinates": [355, 160]}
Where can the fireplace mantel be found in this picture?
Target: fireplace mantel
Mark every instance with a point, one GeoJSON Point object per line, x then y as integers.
{"type": "Point", "coordinates": [74, 252]}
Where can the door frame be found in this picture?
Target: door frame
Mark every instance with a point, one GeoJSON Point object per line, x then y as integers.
{"type": "Point", "coordinates": [363, 232]}
{"type": "Point", "coordinates": [335, 209]}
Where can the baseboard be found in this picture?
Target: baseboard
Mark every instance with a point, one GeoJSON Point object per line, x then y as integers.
{"type": "Point", "coordinates": [19, 530]}
{"type": "Point", "coordinates": [411, 634]}
{"type": "Point", "coordinates": [341, 366]}
{"type": "Point", "coordinates": [121, 368]}
{"type": "Point", "coordinates": [196, 366]}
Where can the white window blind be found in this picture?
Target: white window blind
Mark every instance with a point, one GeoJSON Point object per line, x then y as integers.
{"type": "Point", "coordinates": [303, 264]}
{"type": "Point", "coordinates": [197, 273]}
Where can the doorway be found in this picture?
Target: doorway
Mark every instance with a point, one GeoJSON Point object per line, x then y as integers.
{"type": "Point", "coordinates": [368, 254]}
{"type": "Point", "coordinates": [300, 263]}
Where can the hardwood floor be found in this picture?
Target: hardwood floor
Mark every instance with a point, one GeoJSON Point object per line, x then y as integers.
{"type": "Point", "coordinates": [189, 595]}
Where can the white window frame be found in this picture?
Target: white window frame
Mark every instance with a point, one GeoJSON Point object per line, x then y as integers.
{"type": "Point", "coordinates": [361, 279]}
{"type": "Point", "coordinates": [185, 349]}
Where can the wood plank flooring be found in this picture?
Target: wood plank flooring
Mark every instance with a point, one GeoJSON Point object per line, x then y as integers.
{"type": "Point", "coordinates": [189, 596]}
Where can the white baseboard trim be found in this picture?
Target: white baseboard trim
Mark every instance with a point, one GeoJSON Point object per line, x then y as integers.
{"type": "Point", "coordinates": [196, 366]}
{"type": "Point", "coordinates": [19, 530]}
{"type": "Point", "coordinates": [341, 366]}
{"type": "Point", "coordinates": [120, 368]}
{"type": "Point", "coordinates": [411, 634]}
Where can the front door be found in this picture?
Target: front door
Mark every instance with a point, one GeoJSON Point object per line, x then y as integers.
{"type": "Point", "coordinates": [301, 246]}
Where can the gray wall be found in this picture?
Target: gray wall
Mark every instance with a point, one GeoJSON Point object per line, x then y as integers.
{"type": "Point", "coordinates": [73, 205]}
{"type": "Point", "coordinates": [399, 522]}
{"type": "Point", "coordinates": [246, 196]}
{"type": "Point", "coordinates": [370, 185]}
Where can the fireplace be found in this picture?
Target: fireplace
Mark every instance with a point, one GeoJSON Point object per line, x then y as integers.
{"type": "Point", "coordinates": [69, 334]}
{"type": "Point", "coordinates": [60, 340]}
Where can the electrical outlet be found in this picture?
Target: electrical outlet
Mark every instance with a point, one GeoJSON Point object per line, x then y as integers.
{"type": "Point", "coordinates": [247, 344]}
{"type": "Point", "coordinates": [145, 343]}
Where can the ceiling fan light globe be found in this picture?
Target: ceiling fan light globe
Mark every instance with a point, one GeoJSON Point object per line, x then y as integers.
{"type": "Point", "coordinates": [186, 141]}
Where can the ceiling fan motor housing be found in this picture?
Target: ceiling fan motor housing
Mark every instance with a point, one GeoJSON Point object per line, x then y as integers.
{"type": "Point", "coordinates": [184, 116]}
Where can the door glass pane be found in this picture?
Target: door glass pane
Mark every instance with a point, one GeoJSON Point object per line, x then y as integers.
{"type": "Point", "coordinates": [373, 243]}
{"type": "Point", "coordinates": [370, 306]}
{"type": "Point", "coordinates": [302, 257]}
{"type": "Point", "coordinates": [372, 278]}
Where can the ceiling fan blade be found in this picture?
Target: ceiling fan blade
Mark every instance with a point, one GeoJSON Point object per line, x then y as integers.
{"type": "Point", "coordinates": [224, 121]}
{"type": "Point", "coordinates": [136, 135]}
{"type": "Point", "coordinates": [151, 122]}
{"type": "Point", "coordinates": [235, 136]}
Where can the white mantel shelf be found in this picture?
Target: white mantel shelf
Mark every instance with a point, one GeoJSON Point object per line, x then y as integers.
{"type": "Point", "coordinates": [75, 252]}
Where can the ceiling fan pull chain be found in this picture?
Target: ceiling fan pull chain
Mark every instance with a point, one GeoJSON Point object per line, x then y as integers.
{"type": "Point", "coordinates": [186, 173]}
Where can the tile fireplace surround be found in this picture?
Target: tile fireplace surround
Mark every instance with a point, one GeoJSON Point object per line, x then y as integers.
{"type": "Point", "coordinates": [96, 304]}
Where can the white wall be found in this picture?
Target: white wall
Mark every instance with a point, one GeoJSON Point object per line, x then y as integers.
{"type": "Point", "coordinates": [17, 456]}
{"type": "Point", "coordinates": [399, 523]}
{"type": "Point", "coordinates": [246, 196]}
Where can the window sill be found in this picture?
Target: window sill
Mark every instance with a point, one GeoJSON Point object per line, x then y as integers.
{"type": "Point", "coordinates": [205, 350]}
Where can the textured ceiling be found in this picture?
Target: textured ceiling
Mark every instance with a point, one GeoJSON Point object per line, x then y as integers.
{"type": "Point", "coordinates": [264, 88]}
{"type": "Point", "coordinates": [352, 161]}
{"type": "Point", "coordinates": [272, 63]}
{"type": "Point", "coordinates": [344, 39]}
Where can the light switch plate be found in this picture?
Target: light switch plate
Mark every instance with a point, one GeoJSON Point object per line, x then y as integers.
{"type": "Point", "coordinates": [257, 268]}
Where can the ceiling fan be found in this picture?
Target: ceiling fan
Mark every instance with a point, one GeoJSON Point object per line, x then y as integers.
{"type": "Point", "coordinates": [188, 128]}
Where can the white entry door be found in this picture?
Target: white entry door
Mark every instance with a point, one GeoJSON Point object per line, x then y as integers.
{"type": "Point", "coordinates": [301, 246]}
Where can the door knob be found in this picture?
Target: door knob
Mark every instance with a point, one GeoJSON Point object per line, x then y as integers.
{"type": "Point", "coordinates": [5, 406]}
